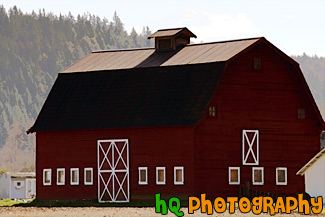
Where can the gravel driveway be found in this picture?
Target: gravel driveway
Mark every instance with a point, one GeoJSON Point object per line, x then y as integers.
{"type": "Point", "coordinates": [110, 211]}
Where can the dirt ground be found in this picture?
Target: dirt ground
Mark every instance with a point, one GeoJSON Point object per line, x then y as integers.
{"type": "Point", "coordinates": [110, 212]}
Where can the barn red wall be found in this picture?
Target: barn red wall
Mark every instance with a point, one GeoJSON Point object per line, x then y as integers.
{"type": "Point", "coordinates": [151, 147]}
{"type": "Point", "coordinates": [266, 100]}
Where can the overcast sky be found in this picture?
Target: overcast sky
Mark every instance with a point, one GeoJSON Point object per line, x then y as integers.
{"type": "Point", "coordinates": [294, 26]}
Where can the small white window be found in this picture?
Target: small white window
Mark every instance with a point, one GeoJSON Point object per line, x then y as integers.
{"type": "Point", "coordinates": [18, 184]}
{"type": "Point", "coordinates": [281, 176]}
{"type": "Point", "coordinates": [47, 173]}
{"type": "Point", "coordinates": [179, 175]}
{"type": "Point", "coordinates": [60, 176]}
{"type": "Point", "coordinates": [258, 175]}
{"type": "Point", "coordinates": [234, 175]}
{"type": "Point", "coordinates": [143, 175]}
{"type": "Point", "coordinates": [88, 176]}
{"type": "Point", "coordinates": [160, 175]}
{"type": "Point", "coordinates": [74, 176]}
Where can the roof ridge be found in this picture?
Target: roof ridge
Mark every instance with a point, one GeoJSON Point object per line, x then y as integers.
{"type": "Point", "coordinates": [226, 41]}
{"type": "Point", "coordinates": [127, 49]}
{"type": "Point", "coordinates": [196, 44]}
{"type": "Point", "coordinates": [171, 29]}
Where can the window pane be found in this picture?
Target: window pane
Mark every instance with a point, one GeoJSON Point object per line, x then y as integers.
{"type": "Point", "coordinates": [301, 113]}
{"type": "Point", "coordinates": [47, 177]}
{"type": "Point", "coordinates": [234, 175]}
{"type": "Point", "coordinates": [74, 176]}
{"type": "Point", "coordinates": [212, 111]}
{"type": "Point", "coordinates": [258, 176]}
{"type": "Point", "coordinates": [179, 175]}
{"type": "Point", "coordinates": [161, 176]}
{"type": "Point", "coordinates": [143, 176]}
{"type": "Point", "coordinates": [61, 176]}
{"type": "Point", "coordinates": [281, 176]}
{"type": "Point", "coordinates": [257, 63]}
{"type": "Point", "coordinates": [88, 175]}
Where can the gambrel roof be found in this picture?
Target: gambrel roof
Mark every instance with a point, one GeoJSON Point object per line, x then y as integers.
{"type": "Point", "coordinates": [163, 96]}
{"type": "Point", "coordinates": [143, 87]}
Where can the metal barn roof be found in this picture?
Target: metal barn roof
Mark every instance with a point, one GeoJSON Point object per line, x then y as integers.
{"type": "Point", "coordinates": [172, 33]}
{"type": "Point", "coordinates": [138, 58]}
{"type": "Point", "coordinates": [163, 96]}
{"type": "Point", "coordinates": [143, 87]}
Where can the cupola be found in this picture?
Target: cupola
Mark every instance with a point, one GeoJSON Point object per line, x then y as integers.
{"type": "Point", "coordinates": [171, 39]}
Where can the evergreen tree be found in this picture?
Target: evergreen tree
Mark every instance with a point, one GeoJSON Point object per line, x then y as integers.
{"type": "Point", "coordinates": [34, 48]}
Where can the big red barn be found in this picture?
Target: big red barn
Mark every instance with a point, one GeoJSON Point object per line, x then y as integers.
{"type": "Point", "coordinates": [179, 119]}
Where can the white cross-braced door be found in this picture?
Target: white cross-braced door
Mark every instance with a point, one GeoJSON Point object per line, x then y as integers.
{"type": "Point", "coordinates": [113, 170]}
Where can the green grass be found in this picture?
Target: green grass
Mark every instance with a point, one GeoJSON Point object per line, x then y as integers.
{"type": "Point", "coordinates": [10, 202]}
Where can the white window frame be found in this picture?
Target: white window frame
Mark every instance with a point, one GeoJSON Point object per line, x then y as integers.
{"type": "Point", "coordinates": [229, 175]}
{"type": "Point", "coordinates": [71, 171]}
{"type": "Point", "coordinates": [44, 172]}
{"type": "Point", "coordinates": [245, 154]}
{"type": "Point", "coordinates": [146, 181]}
{"type": "Point", "coordinates": [164, 181]}
{"type": "Point", "coordinates": [57, 176]}
{"type": "Point", "coordinates": [175, 181]}
{"type": "Point", "coordinates": [285, 177]}
{"type": "Point", "coordinates": [21, 184]}
{"type": "Point", "coordinates": [91, 176]}
{"type": "Point", "coordinates": [253, 173]}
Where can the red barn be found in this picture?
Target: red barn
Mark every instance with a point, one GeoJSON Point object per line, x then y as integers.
{"type": "Point", "coordinates": [179, 119]}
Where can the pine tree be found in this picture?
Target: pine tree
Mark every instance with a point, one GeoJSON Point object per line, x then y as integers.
{"type": "Point", "coordinates": [34, 48]}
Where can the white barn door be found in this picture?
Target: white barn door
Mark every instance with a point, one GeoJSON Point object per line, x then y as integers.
{"type": "Point", "coordinates": [30, 188]}
{"type": "Point", "coordinates": [113, 170]}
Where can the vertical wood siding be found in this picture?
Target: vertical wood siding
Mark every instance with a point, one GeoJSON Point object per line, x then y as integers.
{"type": "Point", "coordinates": [266, 100]}
{"type": "Point", "coordinates": [150, 147]}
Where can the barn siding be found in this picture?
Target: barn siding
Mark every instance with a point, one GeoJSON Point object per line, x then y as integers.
{"type": "Point", "coordinates": [151, 147]}
{"type": "Point", "coordinates": [266, 100]}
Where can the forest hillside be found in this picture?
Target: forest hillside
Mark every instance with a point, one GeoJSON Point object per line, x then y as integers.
{"type": "Point", "coordinates": [35, 47]}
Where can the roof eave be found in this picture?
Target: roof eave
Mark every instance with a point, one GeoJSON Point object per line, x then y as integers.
{"type": "Point", "coordinates": [303, 170]}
